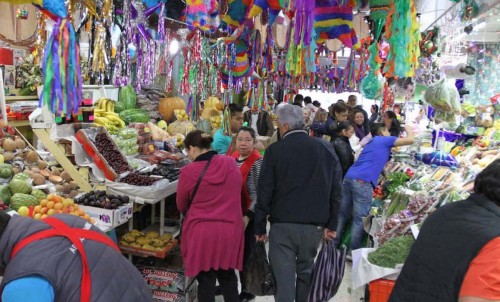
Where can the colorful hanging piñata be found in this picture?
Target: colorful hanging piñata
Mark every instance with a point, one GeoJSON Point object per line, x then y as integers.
{"type": "Point", "coordinates": [237, 12]}
{"type": "Point", "coordinates": [202, 14]}
{"type": "Point", "coordinates": [403, 35]}
{"type": "Point", "coordinates": [333, 19]}
{"type": "Point", "coordinates": [274, 7]}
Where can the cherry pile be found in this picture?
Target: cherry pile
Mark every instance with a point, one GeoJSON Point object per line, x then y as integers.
{"type": "Point", "coordinates": [114, 158]}
{"type": "Point", "coordinates": [168, 172]}
{"type": "Point", "coordinates": [101, 200]}
{"type": "Point", "coordinates": [3, 206]}
{"type": "Point", "coordinates": [139, 180]}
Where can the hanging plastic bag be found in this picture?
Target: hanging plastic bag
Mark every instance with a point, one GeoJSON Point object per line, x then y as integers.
{"type": "Point", "coordinates": [258, 275]}
{"type": "Point", "coordinates": [327, 273]}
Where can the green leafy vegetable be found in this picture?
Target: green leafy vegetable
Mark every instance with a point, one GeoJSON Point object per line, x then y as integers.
{"type": "Point", "coordinates": [393, 252]}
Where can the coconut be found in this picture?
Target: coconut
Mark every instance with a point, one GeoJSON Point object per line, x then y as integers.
{"type": "Point", "coordinates": [41, 164]}
{"type": "Point", "coordinates": [65, 175]}
{"type": "Point", "coordinates": [8, 156]}
{"type": "Point", "coordinates": [32, 156]}
{"type": "Point", "coordinates": [38, 179]}
{"type": "Point", "coordinates": [20, 143]}
{"type": "Point", "coordinates": [55, 171]}
{"type": "Point", "coordinates": [45, 173]}
{"type": "Point", "coordinates": [9, 145]}
{"type": "Point", "coordinates": [55, 179]}
{"type": "Point", "coordinates": [35, 170]}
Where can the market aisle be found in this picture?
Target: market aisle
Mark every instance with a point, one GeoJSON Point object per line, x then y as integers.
{"type": "Point", "coordinates": [345, 293]}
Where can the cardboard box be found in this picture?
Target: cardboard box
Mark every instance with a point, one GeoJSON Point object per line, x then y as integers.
{"type": "Point", "coordinates": [190, 295]}
{"type": "Point", "coordinates": [163, 279]}
{"type": "Point", "coordinates": [147, 253]}
{"type": "Point", "coordinates": [110, 218]}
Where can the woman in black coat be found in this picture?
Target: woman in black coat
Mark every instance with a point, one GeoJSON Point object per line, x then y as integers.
{"type": "Point", "coordinates": [342, 147]}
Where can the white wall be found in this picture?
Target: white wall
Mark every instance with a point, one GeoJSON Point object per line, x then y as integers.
{"type": "Point", "coordinates": [326, 99]}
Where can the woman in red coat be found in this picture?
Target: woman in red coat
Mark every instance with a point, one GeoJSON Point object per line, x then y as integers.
{"type": "Point", "coordinates": [212, 233]}
{"type": "Point", "coordinates": [249, 161]}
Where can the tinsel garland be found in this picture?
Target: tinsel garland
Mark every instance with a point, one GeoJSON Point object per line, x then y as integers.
{"type": "Point", "coordinates": [402, 33]}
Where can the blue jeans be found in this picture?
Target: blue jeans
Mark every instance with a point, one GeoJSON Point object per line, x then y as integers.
{"type": "Point", "coordinates": [356, 204]}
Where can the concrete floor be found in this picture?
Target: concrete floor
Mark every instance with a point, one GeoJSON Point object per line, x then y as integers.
{"type": "Point", "coordinates": [344, 294]}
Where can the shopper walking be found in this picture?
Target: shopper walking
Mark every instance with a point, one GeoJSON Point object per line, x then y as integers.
{"type": "Point", "coordinates": [374, 117]}
{"type": "Point", "coordinates": [318, 124]}
{"type": "Point", "coordinates": [209, 190]}
{"type": "Point", "coordinates": [457, 253]}
{"type": "Point", "coordinates": [300, 189]}
{"type": "Point", "coordinates": [43, 260]}
{"type": "Point", "coordinates": [342, 146]}
{"type": "Point", "coordinates": [391, 123]}
{"type": "Point", "coordinates": [260, 121]}
{"type": "Point", "coordinates": [339, 112]}
{"type": "Point", "coordinates": [249, 161]}
{"type": "Point", "coordinates": [362, 177]}
{"type": "Point", "coordinates": [222, 142]}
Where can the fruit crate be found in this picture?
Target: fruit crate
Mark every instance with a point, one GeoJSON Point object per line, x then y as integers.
{"type": "Point", "coordinates": [110, 218]}
{"type": "Point", "coordinates": [135, 251]}
{"type": "Point", "coordinates": [380, 290]}
{"type": "Point", "coordinates": [86, 137]}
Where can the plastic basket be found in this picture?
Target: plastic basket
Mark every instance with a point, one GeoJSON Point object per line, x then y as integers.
{"type": "Point", "coordinates": [380, 290]}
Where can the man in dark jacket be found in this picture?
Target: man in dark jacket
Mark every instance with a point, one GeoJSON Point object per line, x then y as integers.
{"type": "Point", "coordinates": [456, 257]}
{"type": "Point", "coordinates": [261, 120]}
{"type": "Point", "coordinates": [301, 194]}
{"type": "Point", "coordinates": [64, 258]}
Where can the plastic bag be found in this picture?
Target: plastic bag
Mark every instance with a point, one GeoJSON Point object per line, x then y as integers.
{"type": "Point", "coordinates": [258, 275]}
{"type": "Point", "coordinates": [327, 273]}
{"type": "Point", "coordinates": [443, 96]}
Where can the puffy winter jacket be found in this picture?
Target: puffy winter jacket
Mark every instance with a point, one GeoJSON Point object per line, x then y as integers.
{"type": "Point", "coordinates": [344, 152]}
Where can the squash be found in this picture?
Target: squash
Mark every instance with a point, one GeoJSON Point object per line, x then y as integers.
{"type": "Point", "coordinates": [168, 105]}
{"type": "Point", "coordinates": [180, 127]}
{"type": "Point", "coordinates": [207, 113]}
{"type": "Point", "coordinates": [212, 102]}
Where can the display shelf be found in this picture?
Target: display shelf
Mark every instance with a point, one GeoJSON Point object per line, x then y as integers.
{"type": "Point", "coordinates": [61, 158]}
{"type": "Point", "coordinates": [21, 98]}
{"type": "Point", "coordinates": [22, 123]}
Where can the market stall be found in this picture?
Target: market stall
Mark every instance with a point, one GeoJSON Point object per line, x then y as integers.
{"type": "Point", "coordinates": [96, 104]}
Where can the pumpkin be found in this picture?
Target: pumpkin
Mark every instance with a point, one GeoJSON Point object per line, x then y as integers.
{"type": "Point", "coordinates": [168, 105]}
{"type": "Point", "coordinates": [212, 102]}
{"type": "Point", "coordinates": [207, 113]}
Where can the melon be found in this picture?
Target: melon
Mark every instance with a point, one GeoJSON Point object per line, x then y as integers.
{"type": "Point", "coordinates": [180, 127]}
{"type": "Point", "coordinates": [39, 194]}
{"type": "Point", "coordinates": [22, 200]}
{"type": "Point", "coordinates": [19, 186]}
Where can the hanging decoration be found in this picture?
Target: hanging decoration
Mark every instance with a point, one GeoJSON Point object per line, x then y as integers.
{"type": "Point", "coordinates": [429, 42]}
{"type": "Point", "coordinates": [202, 14]}
{"type": "Point", "coordinates": [371, 85]}
{"type": "Point", "coordinates": [402, 33]}
{"type": "Point", "coordinates": [272, 6]}
{"type": "Point", "coordinates": [237, 13]}
{"type": "Point", "coordinates": [333, 20]}
{"type": "Point", "coordinates": [22, 13]}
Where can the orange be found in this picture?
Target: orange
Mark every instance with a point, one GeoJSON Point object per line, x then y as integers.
{"type": "Point", "coordinates": [87, 216]}
{"type": "Point", "coordinates": [44, 210]}
{"type": "Point", "coordinates": [44, 216]}
{"type": "Point", "coordinates": [37, 216]}
{"type": "Point", "coordinates": [51, 196]}
{"type": "Point", "coordinates": [43, 202]}
{"type": "Point", "coordinates": [51, 212]}
{"type": "Point", "coordinates": [81, 212]}
{"type": "Point", "coordinates": [37, 209]}
{"type": "Point", "coordinates": [58, 206]}
{"type": "Point", "coordinates": [65, 210]}
{"type": "Point", "coordinates": [58, 198]}
{"type": "Point", "coordinates": [50, 204]}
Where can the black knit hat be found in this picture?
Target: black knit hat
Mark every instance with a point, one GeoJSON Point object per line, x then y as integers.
{"type": "Point", "coordinates": [4, 220]}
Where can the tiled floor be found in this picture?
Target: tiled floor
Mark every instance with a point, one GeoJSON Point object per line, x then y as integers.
{"type": "Point", "coordinates": [345, 293]}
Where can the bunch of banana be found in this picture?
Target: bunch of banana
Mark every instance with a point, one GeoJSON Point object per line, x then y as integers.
{"type": "Point", "coordinates": [105, 116]}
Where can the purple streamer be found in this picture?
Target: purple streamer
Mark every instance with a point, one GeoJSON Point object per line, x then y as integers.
{"type": "Point", "coordinates": [152, 9]}
{"type": "Point", "coordinates": [161, 23]}
{"type": "Point", "coordinates": [133, 12]}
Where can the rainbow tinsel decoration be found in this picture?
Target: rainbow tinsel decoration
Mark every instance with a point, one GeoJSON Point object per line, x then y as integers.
{"type": "Point", "coordinates": [333, 19]}
{"type": "Point", "coordinates": [62, 92]}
